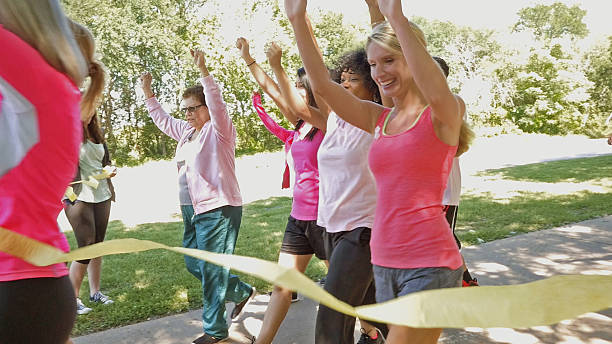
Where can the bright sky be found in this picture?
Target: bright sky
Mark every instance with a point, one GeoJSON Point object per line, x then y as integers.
{"type": "Point", "coordinates": [498, 15]}
{"type": "Point", "coordinates": [491, 14]}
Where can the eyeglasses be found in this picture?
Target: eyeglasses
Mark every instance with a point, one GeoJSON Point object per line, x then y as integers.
{"type": "Point", "coordinates": [191, 109]}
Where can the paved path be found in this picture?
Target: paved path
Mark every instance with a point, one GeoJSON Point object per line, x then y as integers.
{"type": "Point", "coordinates": [582, 248]}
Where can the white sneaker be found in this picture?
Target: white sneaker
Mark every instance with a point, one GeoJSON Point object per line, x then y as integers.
{"type": "Point", "coordinates": [101, 298]}
{"type": "Point", "coordinates": [81, 308]}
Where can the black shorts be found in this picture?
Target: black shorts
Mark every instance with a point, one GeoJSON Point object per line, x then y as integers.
{"type": "Point", "coordinates": [303, 237]}
{"type": "Point", "coordinates": [451, 217]}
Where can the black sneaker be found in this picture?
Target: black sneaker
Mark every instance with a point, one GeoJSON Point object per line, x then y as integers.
{"type": "Point", "coordinates": [239, 306]}
{"type": "Point", "coordinates": [366, 339]}
{"type": "Point", "coordinates": [294, 296]}
{"type": "Point", "coordinates": [208, 339]}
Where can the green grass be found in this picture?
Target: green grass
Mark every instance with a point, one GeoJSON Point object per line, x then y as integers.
{"type": "Point", "coordinates": [155, 283]}
{"type": "Point", "coordinates": [573, 170]}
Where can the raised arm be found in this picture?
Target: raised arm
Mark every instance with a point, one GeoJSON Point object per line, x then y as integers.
{"type": "Point", "coordinates": [270, 124]}
{"type": "Point", "coordinates": [446, 108]}
{"type": "Point", "coordinates": [220, 119]}
{"type": "Point", "coordinates": [296, 103]}
{"type": "Point", "coordinates": [264, 80]}
{"type": "Point", "coordinates": [376, 16]}
{"type": "Point", "coordinates": [362, 114]}
{"type": "Point", "coordinates": [169, 125]}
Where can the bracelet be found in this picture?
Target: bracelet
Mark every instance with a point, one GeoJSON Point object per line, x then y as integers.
{"type": "Point", "coordinates": [249, 64]}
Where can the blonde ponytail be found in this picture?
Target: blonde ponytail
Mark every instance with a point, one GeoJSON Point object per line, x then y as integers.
{"type": "Point", "coordinates": [96, 73]}
{"type": "Point", "coordinates": [44, 26]}
{"type": "Point", "coordinates": [466, 136]}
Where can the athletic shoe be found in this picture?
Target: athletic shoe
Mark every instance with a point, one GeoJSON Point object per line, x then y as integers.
{"type": "Point", "coordinates": [239, 306]}
{"type": "Point", "coordinates": [471, 283]}
{"type": "Point", "coordinates": [294, 296]}
{"type": "Point", "coordinates": [101, 298]}
{"type": "Point", "coordinates": [366, 339]}
{"type": "Point", "coordinates": [208, 339]}
{"type": "Point", "coordinates": [81, 308]}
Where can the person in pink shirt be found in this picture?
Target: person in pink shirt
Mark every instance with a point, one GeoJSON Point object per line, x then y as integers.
{"type": "Point", "coordinates": [41, 67]}
{"type": "Point", "coordinates": [303, 237]}
{"type": "Point", "coordinates": [414, 143]}
{"type": "Point", "coordinates": [347, 202]}
{"type": "Point", "coordinates": [209, 195]}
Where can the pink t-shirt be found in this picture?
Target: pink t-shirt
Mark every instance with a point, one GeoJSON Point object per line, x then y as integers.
{"type": "Point", "coordinates": [306, 186]}
{"type": "Point", "coordinates": [41, 119]}
{"type": "Point", "coordinates": [411, 169]}
{"type": "Point", "coordinates": [304, 156]}
{"type": "Point", "coordinates": [211, 172]}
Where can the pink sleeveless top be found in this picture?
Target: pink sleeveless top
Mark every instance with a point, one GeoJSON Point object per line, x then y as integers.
{"type": "Point", "coordinates": [41, 106]}
{"type": "Point", "coordinates": [411, 169]}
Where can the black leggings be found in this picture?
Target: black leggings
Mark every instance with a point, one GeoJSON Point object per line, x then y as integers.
{"type": "Point", "coordinates": [350, 279]}
{"type": "Point", "coordinates": [36, 310]}
{"type": "Point", "coordinates": [88, 221]}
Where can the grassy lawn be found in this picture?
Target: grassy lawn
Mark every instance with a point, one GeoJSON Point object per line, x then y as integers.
{"type": "Point", "coordinates": [151, 284]}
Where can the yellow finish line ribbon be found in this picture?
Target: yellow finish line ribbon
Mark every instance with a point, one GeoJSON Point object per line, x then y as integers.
{"type": "Point", "coordinates": [544, 302]}
{"type": "Point", "coordinates": [92, 181]}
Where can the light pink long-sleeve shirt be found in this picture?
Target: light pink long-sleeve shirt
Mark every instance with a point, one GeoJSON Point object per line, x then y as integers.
{"type": "Point", "coordinates": [211, 173]}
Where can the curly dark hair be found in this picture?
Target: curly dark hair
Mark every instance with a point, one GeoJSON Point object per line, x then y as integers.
{"type": "Point", "coordinates": [356, 61]}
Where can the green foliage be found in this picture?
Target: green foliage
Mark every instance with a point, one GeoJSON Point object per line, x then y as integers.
{"type": "Point", "coordinates": [599, 72]}
{"type": "Point", "coordinates": [542, 101]}
{"type": "Point", "coordinates": [472, 56]}
{"type": "Point", "coordinates": [548, 91]}
{"type": "Point", "coordinates": [552, 21]}
{"type": "Point", "coordinates": [543, 90]}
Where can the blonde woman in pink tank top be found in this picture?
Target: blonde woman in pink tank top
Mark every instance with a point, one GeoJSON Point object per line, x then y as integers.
{"type": "Point", "coordinates": [414, 144]}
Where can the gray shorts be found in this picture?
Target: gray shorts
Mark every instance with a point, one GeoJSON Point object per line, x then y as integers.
{"type": "Point", "coordinates": [392, 283]}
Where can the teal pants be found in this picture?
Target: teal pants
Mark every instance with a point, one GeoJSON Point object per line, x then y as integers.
{"type": "Point", "coordinates": [215, 231]}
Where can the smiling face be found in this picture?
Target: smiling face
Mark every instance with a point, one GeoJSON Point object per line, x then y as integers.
{"type": "Point", "coordinates": [354, 83]}
{"type": "Point", "coordinates": [389, 70]}
{"type": "Point", "coordinates": [198, 117]}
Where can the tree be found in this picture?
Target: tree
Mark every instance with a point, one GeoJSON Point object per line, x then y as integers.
{"type": "Point", "coordinates": [553, 21]}
{"type": "Point", "coordinates": [548, 90]}
{"type": "Point", "coordinates": [599, 70]}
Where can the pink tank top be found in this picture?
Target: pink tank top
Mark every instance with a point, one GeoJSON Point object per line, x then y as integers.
{"type": "Point", "coordinates": [43, 159]}
{"type": "Point", "coordinates": [411, 169]}
{"type": "Point", "coordinates": [306, 187]}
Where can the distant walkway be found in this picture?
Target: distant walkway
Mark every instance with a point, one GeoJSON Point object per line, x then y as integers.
{"type": "Point", "coordinates": [148, 193]}
{"type": "Point", "coordinates": [581, 248]}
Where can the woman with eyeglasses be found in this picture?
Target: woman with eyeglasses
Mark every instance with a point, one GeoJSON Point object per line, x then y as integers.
{"type": "Point", "coordinates": [209, 195]}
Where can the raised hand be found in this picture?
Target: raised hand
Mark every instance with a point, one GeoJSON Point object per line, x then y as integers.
{"type": "Point", "coordinates": [145, 83]}
{"type": "Point", "coordinates": [295, 8]}
{"type": "Point", "coordinates": [274, 54]}
{"type": "Point", "coordinates": [390, 8]}
{"type": "Point", "coordinates": [243, 45]}
{"type": "Point", "coordinates": [200, 61]}
{"type": "Point", "coordinates": [198, 58]}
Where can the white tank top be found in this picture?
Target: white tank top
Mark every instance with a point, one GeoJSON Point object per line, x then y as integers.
{"type": "Point", "coordinates": [347, 190]}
